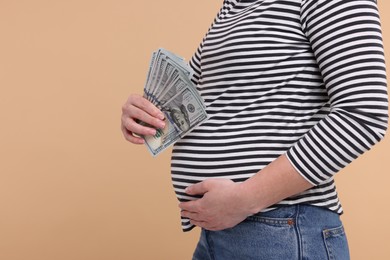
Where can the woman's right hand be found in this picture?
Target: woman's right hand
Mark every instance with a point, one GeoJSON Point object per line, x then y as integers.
{"type": "Point", "coordinates": [138, 108]}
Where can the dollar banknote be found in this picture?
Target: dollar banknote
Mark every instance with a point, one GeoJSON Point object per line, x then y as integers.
{"type": "Point", "coordinates": [169, 86]}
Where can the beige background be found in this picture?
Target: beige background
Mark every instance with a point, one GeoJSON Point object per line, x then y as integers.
{"type": "Point", "coordinates": [70, 186]}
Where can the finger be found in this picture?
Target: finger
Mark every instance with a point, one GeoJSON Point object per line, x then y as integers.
{"type": "Point", "coordinates": [201, 224]}
{"type": "Point", "coordinates": [191, 215]}
{"type": "Point", "coordinates": [134, 112]}
{"type": "Point", "coordinates": [205, 225]}
{"type": "Point", "coordinates": [146, 106]}
{"type": "Point", "coordinates": [135, 128]}
{"type": "Point", "coordinates": [190, 206]}
{"type": "Point", "coordinates": [197, 189]}
{"type": "Point", "coordinates": [130, 137]}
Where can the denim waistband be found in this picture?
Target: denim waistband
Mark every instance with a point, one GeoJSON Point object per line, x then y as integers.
{"type": "Point", "coordinates": [293, 211]}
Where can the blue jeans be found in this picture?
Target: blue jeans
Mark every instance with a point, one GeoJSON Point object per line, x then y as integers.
{"type": "Point", "coordinates": [287, 233]}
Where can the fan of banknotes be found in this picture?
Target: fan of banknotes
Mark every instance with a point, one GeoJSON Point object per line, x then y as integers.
{"type": "Point", "coordinates": [169, 87]}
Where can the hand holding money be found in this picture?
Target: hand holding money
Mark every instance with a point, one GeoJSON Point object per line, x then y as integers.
{"type": "Point", "coordinates": [136, 109]}
{"type": "Point", "coordinates": [169, 87]}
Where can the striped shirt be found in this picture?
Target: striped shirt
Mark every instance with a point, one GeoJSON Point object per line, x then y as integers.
{"type": "Point", "coordinates": [305, 78]}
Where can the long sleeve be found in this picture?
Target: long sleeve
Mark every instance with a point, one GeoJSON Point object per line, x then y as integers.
{"type": "Point", "coordinates": [346, 39]}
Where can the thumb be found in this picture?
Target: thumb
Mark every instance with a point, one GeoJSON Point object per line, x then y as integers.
{"type": "Point", "coordinates": [196, 189]}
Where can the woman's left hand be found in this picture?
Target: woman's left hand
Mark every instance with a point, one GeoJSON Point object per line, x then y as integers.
{"type": "Point", "coordinates": [222, 205]}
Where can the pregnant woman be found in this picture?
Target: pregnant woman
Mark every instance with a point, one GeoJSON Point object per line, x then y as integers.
{"type": "Point", "coordinates": [295, 90]}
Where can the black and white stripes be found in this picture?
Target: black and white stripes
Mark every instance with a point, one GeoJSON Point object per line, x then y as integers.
{"type": "Point", "coordinates": [302, 77]}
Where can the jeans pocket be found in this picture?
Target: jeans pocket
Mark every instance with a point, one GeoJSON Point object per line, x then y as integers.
{"type": "Point", "coordinates": [336, 243]}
